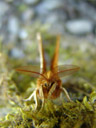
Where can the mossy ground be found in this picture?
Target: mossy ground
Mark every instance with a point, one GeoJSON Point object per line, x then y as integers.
{"type": "Point", "coordinates": [81, 113]}
{"type": "Point", "coordinates": [68, 115]}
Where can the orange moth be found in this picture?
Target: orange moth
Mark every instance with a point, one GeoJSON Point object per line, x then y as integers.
{"type": "Point", "coordinates": [49, 84]}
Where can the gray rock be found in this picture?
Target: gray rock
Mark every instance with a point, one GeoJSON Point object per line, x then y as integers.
{"type": "Point", "coordinates": [17, 53]}
{"type": "Point", "coordinates": [52, 4]}
{"type": "Point", "coordinates": [48, 5]}
{"type": "Point", "coordinates": [3, 8]}
{"type": "Point", "coordinates": [55, 17]}
{"type": "Point", "coordinates": [31, 1]}
{"type": "Point", "coordinates": [86, 10]}
{"type": "Point", "coordinates": [28, 14]}
{"type": "Point", "coordinates": [13, 25]}
{"type": "Point", "coordinates": [23, 34]}
{"type": "Point", "coordinates": [79, 27]}
{"type": "Point", "coordinates": [9, 1]}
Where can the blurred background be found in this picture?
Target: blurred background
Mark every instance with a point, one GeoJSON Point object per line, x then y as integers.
{"type": "Point", "coordinates": [20, 20]}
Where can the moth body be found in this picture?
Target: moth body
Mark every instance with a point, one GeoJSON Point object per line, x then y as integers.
{"type": "Point", "coordinates": [50, 85]}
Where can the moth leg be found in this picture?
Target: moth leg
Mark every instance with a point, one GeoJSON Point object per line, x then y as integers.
{"type": "Point", "coordinates": [43, 99]}
{"type": "Point", "coordinates": [30, 97]}
{"type": "Point", "coordinates": [36, 99]}
{"type": "Point", "coordinates": [66, 93]}
{"type": "Point", "coordinates": [42, 96]}
{"type": "Point", "coordinates": [43, 102]}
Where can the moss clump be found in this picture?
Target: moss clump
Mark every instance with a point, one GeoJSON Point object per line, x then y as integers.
{"type": "Point", "coordinates": [68, 115]}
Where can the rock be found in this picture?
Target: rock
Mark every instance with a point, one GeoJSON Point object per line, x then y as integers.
{"type": "Point", "coordinates": [3, 8]}
{"type": "Point", "coordinates": [13, 25]}
{"type": "Point", "coordinates": [9, 1]}
{"type": "Point", "coordinates": [28, 14]}
{"type": "Point", "coordinates": [16, 53]}
{"type": "Point", "coordinates": [55, 17]}
{"type": "Point", "coordinates": [83, 8]}
{"type": "Point", "coordinates": [94, 29]}
{"type": "Point", "coordinates": [31, 1]}
{"type": "Point", "coordinates": [23, 34]}
{"type": "Point", "coordinates": [48, 5]}
{"type": "Point", "coordinates": [79, 27]}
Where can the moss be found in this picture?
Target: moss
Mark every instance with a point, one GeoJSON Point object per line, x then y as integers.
{"type": "Point", "coordinates": [68, 115]}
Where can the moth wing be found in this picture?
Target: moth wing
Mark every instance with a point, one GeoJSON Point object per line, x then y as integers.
{"type": "Point", "coordinates": [33, 71]}
{"type": "Point", "coordinates": [64, 70]}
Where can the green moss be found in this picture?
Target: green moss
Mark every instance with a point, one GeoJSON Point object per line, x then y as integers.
{"type": "Point", "coordinates": [68, 115]}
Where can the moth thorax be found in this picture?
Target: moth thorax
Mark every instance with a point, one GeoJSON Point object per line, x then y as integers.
{"type": "Point", "coordinates": [49, 74]}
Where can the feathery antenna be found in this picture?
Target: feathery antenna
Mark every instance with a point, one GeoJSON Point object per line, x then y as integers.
{"type": "Point", "coordinates": [42, 58]}
{"type": "Point", "coordinates": [54, 61]}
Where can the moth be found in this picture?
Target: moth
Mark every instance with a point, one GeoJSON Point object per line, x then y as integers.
{"type": "Point", "coordinates": [49, 84]}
